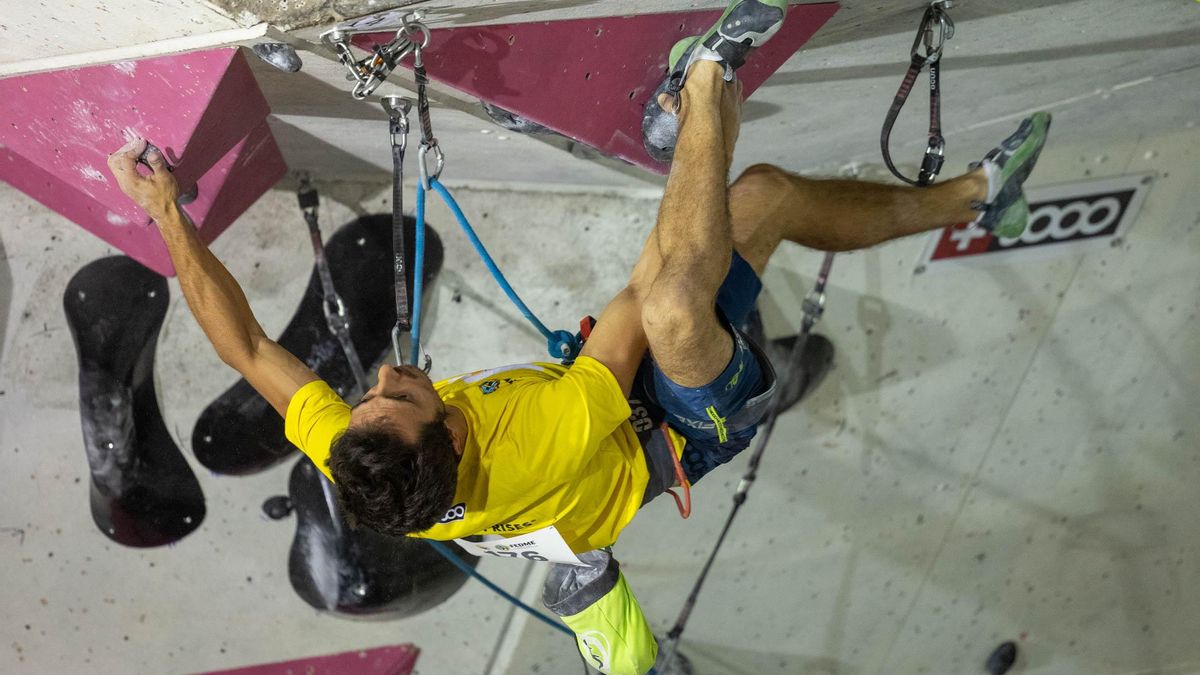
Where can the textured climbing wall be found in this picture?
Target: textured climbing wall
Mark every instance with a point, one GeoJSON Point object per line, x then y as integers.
{"type": "Point", "coordinates": [589, 79]}
{"type": "Point", "coordinates": [204, 109]}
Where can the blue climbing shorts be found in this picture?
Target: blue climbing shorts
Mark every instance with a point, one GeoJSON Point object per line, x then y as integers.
{"type": "Point", "coordinates": [719, 419]}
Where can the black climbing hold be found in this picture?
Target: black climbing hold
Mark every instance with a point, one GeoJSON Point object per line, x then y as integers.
{"type": "Point", "coordinates": [361, 573]}
{"type": "Point", "coordinates": [239, 432]}
{"type": "Point", "coordinates": [277, 507]}
{"type": "Point", "coordinates": [815, 361]}
{"type": "Point", "coordinates": [143, 493]}
{"type": "Point", "coordinates": [1002, 659]}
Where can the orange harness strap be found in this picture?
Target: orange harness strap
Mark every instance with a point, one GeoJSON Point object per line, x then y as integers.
{"type": "Point", "coordinates": [684, 505]}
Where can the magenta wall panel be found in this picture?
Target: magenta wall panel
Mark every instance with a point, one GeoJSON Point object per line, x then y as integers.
{"type": "Point", "coordinates": [204, 109]}
{"type": "Point", "coordinates": [589, 78]}
{"type": "Point", "coordinates": [395, 660]}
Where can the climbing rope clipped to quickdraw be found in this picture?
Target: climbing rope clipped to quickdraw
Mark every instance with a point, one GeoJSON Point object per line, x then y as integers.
{"type": "Point", "coordinates": [935, 29]}
{"type": "Point", "coordinates": [561, 344]}
{"type": "Point", "coordinates": [368, 73]}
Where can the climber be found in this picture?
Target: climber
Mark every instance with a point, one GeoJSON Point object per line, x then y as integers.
{"type": "Point", "coordinates": [550, 451]}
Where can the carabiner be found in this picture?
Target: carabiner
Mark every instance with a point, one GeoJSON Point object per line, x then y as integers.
{"type": "Point", "coordinates": [813, 305]}
{"type": "Point", "coordinates": [422, 163]}
{"type": "Point", "coordinates": [935, 41]}
{"type": "Point", "coordinates": [397, 109]}
{"type": "Point", "coordinates": [411, 28]}
{"type": "Point", "coordinates": [931, 163]}
{"type": "Point", "coordinates": [340, 312]}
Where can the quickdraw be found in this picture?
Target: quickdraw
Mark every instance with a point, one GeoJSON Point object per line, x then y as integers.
{"type": "Point", "coordinates": [336, 317]}
{"type": "Point", "coordinates": [397, 108]}
{"type": "Point", "coordinates": [936, 28]}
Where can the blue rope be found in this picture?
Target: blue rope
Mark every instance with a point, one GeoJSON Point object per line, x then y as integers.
{"type": "Point", "coordinates": [470, 571]}
{"type": "Point", "coordinates": [418, 279]}
{"type": "Point", "coordinates": [561, 344]}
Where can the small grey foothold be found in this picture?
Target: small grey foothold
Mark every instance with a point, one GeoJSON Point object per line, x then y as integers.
{"type": "Point", "coordinates": [280, 55]}
{"type": "Point", "coordinates": [277, 507]}
{"type": "Point", "coordinates": [512, 121]}
{"type": "Point", "coordinates": [919, 270]}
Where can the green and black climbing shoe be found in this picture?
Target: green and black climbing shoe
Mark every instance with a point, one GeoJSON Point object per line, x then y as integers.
{"type": "Point", "coordinates": [744, 26]}
{"type": "Point", "coordinates": [1006, 212]}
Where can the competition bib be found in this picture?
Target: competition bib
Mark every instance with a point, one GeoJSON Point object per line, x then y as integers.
{"type": "Point", "coordinates": [544, 545]}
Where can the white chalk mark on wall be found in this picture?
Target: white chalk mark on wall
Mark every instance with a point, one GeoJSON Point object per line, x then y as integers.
{"type": "Point", "coordinates": [127, 67]}
{"type": "Point", "coordinates": [90, 173]}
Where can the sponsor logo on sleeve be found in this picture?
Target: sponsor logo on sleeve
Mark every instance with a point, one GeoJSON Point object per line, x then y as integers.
{"type": "Point", "coordinates": [456, 512]}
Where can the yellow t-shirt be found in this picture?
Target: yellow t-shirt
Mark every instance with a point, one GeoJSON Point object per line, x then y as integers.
{"type": "Point", "coordinates": [547, 445]}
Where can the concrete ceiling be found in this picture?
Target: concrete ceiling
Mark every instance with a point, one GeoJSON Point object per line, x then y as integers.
{"type": "Point", "coordinates": [1108, 69]}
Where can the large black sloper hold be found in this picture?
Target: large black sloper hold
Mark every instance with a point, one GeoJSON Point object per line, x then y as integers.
{"type": "Point", "coordinates": [143, 492]}
{"type": "Point", "coordinates": [360, 573]}
{"type": "Point", "coordinates": [240, 433]}
{"type": "Point", "coordinates": [814, 364]}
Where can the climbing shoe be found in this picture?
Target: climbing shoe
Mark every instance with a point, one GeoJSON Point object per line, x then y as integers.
{"type": "Point", "coordinates": [1006, 212]}
{"type": "Point", "coordinates": [744, 26]}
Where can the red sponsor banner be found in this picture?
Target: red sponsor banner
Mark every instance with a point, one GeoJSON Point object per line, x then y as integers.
{"type": "Point", "coordinates": [1061, 219]}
